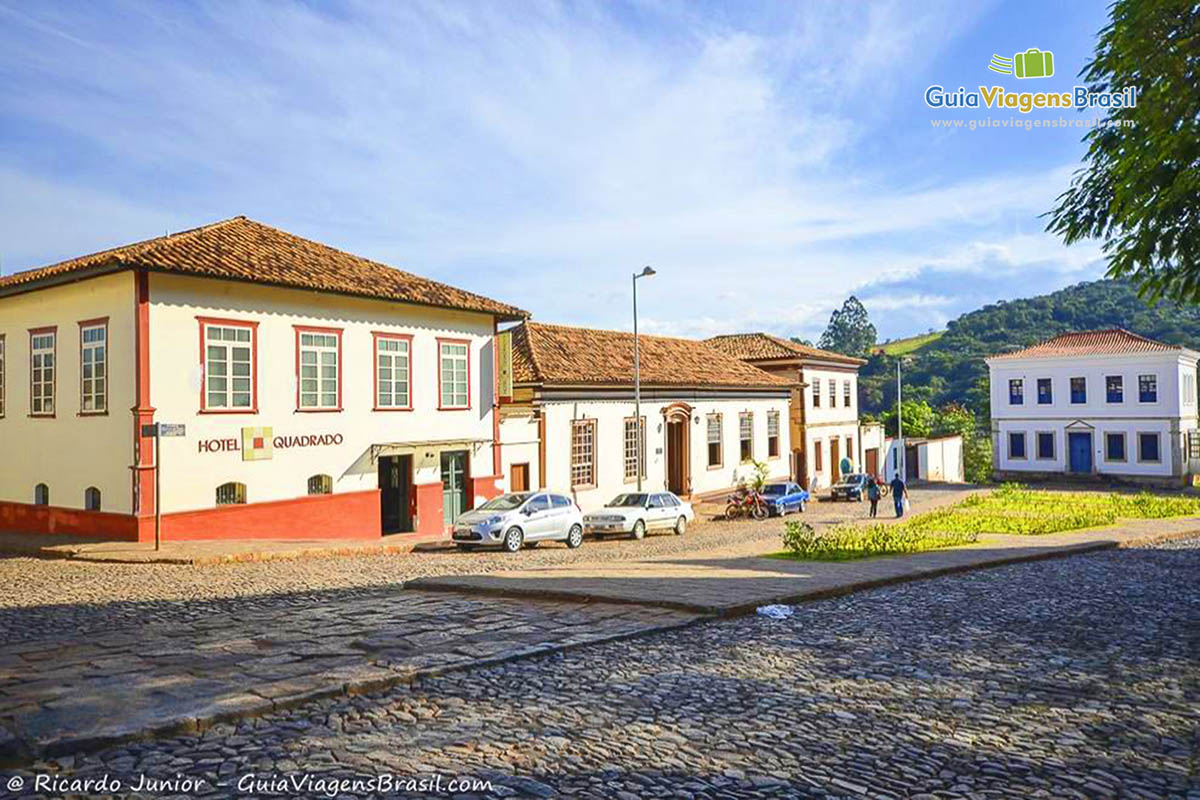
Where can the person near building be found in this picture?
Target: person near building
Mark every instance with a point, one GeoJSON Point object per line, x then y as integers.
{"type": "Point", "coordinates": [899, 494]}
{"type": "Point", "coordinates": [873, 494]}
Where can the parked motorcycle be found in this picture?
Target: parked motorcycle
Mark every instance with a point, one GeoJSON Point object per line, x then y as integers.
{"type": "Point", "coordinates": [746, 503]}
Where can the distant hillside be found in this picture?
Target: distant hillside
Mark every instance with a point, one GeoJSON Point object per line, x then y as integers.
{"type": "Point", "coordinates": [950, 368]}
{"type": "Point", "coordinates": [903, 347]}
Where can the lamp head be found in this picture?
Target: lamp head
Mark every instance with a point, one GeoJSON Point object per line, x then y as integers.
{"type": "Point", "coordinates": [646, 272]}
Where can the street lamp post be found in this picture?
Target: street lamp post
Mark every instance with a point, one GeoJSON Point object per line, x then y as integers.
{"type": "Point", "coordinates": [639, 430]}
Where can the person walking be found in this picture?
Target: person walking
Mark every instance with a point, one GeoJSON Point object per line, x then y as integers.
{"type": "Point", "coordinates": [873, 495]}
{"type": "Point", "coordinates": [899, 493]}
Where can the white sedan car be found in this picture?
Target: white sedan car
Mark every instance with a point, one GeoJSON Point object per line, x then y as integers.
{"type": "Point", "coordinates": [636, 513]}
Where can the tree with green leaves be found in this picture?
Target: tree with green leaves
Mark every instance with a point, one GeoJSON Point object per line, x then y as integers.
{"type": "Point", "coordinates": [918, 417]}
{"type": "Point", "coordinates": [1139, 189]}
{"type": "Point", "coordinates": [850, 331]}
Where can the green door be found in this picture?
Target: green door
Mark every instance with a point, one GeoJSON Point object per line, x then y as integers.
{"type": "Point", "coordinates": [454, 485]}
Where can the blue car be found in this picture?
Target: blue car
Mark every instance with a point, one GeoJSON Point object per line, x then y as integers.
{"type": "Point", "coordinates": [784, 498]}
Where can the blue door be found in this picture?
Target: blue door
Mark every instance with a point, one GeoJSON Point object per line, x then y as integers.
{"type": "Point", "coordinates": [1081, 451]}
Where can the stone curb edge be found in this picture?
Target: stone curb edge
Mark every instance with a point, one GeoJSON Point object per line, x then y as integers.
{"type": "Point", "coordinates": [742, 609]}
{"type": "Point", "coordinates": [15, 752]}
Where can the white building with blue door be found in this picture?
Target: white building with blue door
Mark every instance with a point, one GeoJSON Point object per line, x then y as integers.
{"type": "Point", "coordinates": [1099, 403]}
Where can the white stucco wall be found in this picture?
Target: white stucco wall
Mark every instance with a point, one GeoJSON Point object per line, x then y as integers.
{"type": "Point", "coordinates": [519, 445]}
{"type": "Point", "coordinates": [1170, 416]}
{"type": "Point", "coordinates": [610, 426]}
{"type": "Point", "coordinates": [69, 452]}
{"type": "Point", "coordinates": [190, 477]}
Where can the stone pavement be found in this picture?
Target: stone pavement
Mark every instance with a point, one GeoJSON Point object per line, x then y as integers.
{"type": "Point", "coordinates": [67, 692]}
{"type": "Point", "coordinates": [738, 578]}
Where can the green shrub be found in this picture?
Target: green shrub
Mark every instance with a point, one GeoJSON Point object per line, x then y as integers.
{"type": "Point", "coordinates": [842, 542]}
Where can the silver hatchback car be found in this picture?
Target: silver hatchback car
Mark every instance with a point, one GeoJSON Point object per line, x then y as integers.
{"type": "Point", "coordinates": [517, 519]}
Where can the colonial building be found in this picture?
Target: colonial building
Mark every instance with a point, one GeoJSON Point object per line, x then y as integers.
{"type": "Point", "coordinates": [824, 403]}
{"type": "Point", "coordinates": [570, 424]}
{"type": "Point", "coordinates": [1106, 402]}
{"type": "Point", "coordinates": [321, 394]}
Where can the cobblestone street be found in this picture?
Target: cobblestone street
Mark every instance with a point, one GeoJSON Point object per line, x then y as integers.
{"type": "Point", "coordinates": [1077, 677]}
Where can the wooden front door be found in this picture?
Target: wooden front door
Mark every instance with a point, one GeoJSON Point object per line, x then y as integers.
{"type": "Point", "coordinates": [454, 485]}
{"type": "Point", "coordinates": [873, 461]}
{"type": "Point", "coordinates": [677, 458]}
{"type": "Point", "coordinates": [395, 493]}
{"type": "Point", "coordinates": [518, 481]}
{"type": "Point", "coordinates": [800, 468]}
{"type": "Point", "coordinates": [835, 467]}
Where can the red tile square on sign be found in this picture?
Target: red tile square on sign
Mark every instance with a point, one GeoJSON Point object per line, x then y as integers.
{"type": "Point", "coordinates": [258, 442]}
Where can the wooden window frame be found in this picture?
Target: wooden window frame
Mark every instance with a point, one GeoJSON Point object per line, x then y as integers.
{"type": "Point", "coordinates": [589, 422]}
{"type": "Point", "coordinates": [773, 449]}
{"type": "Point", "coordinates": [745, 415]}
{"type": "Point", "coordinates": [99, 322]}
{"type": "Point", "coordinates": [625, 448]}
{"type": "Point", "coordinates": [33, 332]}
{"type": "Point", "coordinates": [228, 323]}
{"type": "Point", "coordinates": [337, 407]}
{"type": "Point", "coordinates": [1024, 445]}
{"type": "Point", "coordinates": [816, 392]}
{"type": "Point", "coordinates": [818, 455]}
{"type": "Point", "coordinates": [1037, 445]}
{"type": "Point", "coordinates": [376, 337]}
{"type": "Point", "coordinates": [833, 392]}
{"type": "Point", "coordinates": [847, 395]}
{"type": "Point", "coordinates": [1158, 445]}
{"type": "Point", "coordinates": [441, 398]}
{"type": "Point", "coordinates": [1124, 459]}
{"type": "Point", "coordinates": [720, 419]}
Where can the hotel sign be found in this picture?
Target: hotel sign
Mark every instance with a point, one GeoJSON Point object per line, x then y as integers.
{"type": "Point", "coordinates": [260, 443]}
{"type": "Point", "coordinates": [504, 365]}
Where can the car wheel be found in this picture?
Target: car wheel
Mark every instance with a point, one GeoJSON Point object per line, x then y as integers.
{"type": "Point", "coordinates": [513, 539]}
{"type": "Point", "coordinates": [680, 526]}
{"type": "Point", "coordinates": [574, 537]}
{"type": "Point", "coordinates": [800, 507]}
{"type": "Point", "coordinates": [639, 530]}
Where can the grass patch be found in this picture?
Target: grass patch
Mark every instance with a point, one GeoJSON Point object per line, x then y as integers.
{"type": "Point", "coordinates": [904, 347]}
{"type": "Point", "coordinates": [1011, 509]}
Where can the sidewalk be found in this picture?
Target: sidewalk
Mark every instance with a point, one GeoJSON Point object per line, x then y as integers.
{"type": "Point", "coordinates": [202, 552]}
{"type": "Point", "coordinates": [739, 578]}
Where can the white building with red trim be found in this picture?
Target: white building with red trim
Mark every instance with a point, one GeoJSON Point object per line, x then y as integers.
{"type": "Point", "coordinates": [323, 395]}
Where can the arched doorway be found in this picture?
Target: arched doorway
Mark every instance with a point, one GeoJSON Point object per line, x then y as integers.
{"type": "Point", "coordinates": [677, 418]}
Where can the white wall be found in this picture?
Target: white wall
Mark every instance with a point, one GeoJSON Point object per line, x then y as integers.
{"type": "Point", "coordinates": [190, 477]}
{"type": "Point", "coordinates": [519, 445]}
{"type": "Point", "coordinates": [824, 413]}
{"type": "Point", "coordinates": [69, 452]}
{"type": "Point", "coordinates": [819, 439]}
{"type": "Point", "coordinates": [610, 430]}
{"type": "Point", "coordinates": [1170, 416]}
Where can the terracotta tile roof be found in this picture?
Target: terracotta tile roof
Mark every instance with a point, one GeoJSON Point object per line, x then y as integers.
{"type": "Point", "coordinates": [763, 346]}
{"type": "Point", "coordinates": [1112, 341]}
{"type": "Point", "coordinates": [567, 356]}
{"type": "Point", "coordinates": [245, 250]}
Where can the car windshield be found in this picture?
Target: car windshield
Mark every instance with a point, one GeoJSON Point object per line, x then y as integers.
{"type": "Point", "coordinates": [628, 501]}
{"type": "Point", "coordinates": [505, 502]}
{"type": "Point", "coordinates": [775, 489]}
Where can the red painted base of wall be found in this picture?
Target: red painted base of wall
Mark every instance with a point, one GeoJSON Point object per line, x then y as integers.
{"type": "Point", "coordinates": [349, 515]}
{"type": "Point", "coordinates": [429, 509]}
{"type": "Point", "coordinates": [52, 520]}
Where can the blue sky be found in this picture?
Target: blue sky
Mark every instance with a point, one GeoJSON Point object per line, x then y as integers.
{"type": "Point", "coordinates": [767, 159]}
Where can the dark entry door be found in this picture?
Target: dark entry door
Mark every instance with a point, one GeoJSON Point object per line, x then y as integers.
{"type": "Point", "coordinates": [677, 457]}
{"type": "Point", "coordinates": [1080, 445]}
{"type": "Point", "coordinates": [454, 485]}
{"type": "Point", "coordinates": [395, 493]}
{"type": "Point", "coordinates": [519, 480]}
{"type": "Point", "coordinates": [800, 471]}
{"type": "Point", "coordinates": [873, 461]}
{"type": "Point", "coordinates": [912, 463]}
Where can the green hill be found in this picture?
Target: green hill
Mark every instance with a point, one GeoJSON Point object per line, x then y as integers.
{"type": "Point", "coordinates": [950, 367]}
{"type": "Point", "coordinates": [903, 347]}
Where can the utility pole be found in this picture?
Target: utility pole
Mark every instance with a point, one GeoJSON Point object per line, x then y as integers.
{"type": "Point", "coordinates": [639, 429]}
{"type": "Point", "coordinates": [900, 423]}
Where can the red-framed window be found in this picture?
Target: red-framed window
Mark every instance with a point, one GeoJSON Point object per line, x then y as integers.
{"type": "Point", "coordinates": [392, 375]}
{"type": "Point", "coordinates": [318, 369]}
{"type": "Point", "coordinates": [93, 366]}
{"type": "Point", "coordinates": [229, 365]}
{"type": "Point", "coordinates": [454, 374]}
{"type": "Point", "coordinates": [43, 371]}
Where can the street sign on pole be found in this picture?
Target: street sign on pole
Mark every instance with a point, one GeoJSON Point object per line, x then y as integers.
{"type": "Point", "coordinates": [159, 430]}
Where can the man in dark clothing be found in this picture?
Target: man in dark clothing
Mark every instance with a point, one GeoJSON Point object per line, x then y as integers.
{"type": "Point", "coordinates": [899, 492]}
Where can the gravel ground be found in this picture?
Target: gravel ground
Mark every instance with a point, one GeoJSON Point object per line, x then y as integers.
{"type": "Point", "coordinates": [1069, 678]}
{"type": "Point", "coordinates": [43, 596]}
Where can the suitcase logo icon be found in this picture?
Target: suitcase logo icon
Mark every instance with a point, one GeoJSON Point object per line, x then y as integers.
{"type": "Point", "coordinates": [1033, 63]}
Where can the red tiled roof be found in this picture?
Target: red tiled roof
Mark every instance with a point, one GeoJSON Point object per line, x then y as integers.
{"type": "Point", "coordinates": [764, 346]}
{"type": "Point", "coordinates": [1112, 341]}
{"type": "Point", "coordinates": [245, 250]}
{"type": "Point", "coordinates": [567, 356]}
